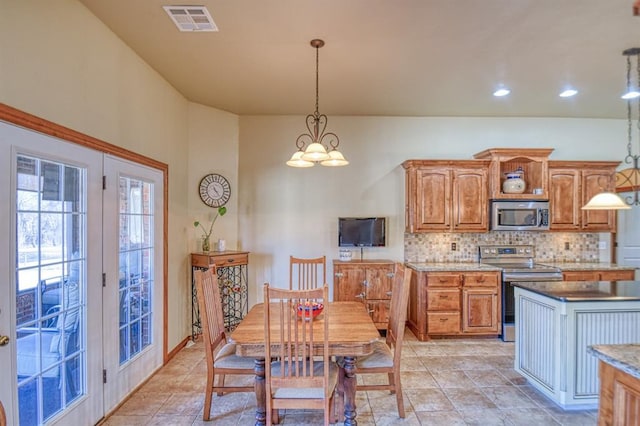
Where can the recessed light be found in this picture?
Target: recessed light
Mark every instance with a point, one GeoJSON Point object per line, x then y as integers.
{"type": "Point", "coordinates": [568, 93]}
{"type": "Point", "coordinates": [501, 92]}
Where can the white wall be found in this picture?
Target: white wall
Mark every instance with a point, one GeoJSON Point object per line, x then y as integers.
{"type": "Point", "coordinates": [287, 211]}
{"type": "Point", "coordinates": [60, 63]}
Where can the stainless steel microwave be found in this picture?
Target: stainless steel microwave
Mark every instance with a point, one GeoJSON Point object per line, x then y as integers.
{"type": "Point", "coordinates": [519, 215]}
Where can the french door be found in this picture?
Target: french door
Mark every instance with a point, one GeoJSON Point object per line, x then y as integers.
{"type": "Point", "coordinates": [133, 282]}
{"type": "Point", "coordinates": [50, 296]}
{"type": "Point", "coordinates": [80, 304]}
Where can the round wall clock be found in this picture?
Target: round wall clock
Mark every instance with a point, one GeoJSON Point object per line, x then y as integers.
{"type": "Point", "coordinates": [215, 190]}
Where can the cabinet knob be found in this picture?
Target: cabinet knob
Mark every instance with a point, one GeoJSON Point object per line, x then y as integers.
{"type": "Point", "coordinates": [443, 296]}
{"type": "Point", "coordinates": [444, 319]}
{"type": "Point", "coordinates": [391, 274]}
{"type": "Point", "coordinates": [339, 274]}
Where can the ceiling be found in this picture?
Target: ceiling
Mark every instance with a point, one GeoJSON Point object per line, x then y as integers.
{"type": "Point", "coordinates": [390, 57]}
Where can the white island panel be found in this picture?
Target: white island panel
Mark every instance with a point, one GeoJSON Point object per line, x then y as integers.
{"type": "Point", "coordinates": [552, 337]}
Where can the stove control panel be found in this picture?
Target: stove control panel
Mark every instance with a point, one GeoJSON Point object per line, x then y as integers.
{"type": "Point", "coordinates": [506, 251]}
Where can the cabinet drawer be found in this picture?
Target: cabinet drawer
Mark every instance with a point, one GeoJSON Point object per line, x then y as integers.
{"type": "Point", "coordinates": [443, 279]}
{"type": "Point", "coordinates": [441, 323]}
{"type": "Point", "coordinates": [617, 275]}
{"type": "Point", "coordinates": [481, 279]}
{"type": "Point", "coordinates": [443, 300]}
{"type": "Point", "coordinates": [230, 260]}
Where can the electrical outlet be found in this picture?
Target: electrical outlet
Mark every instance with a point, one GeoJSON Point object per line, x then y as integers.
{"type": "Point", "coordinates": [602, 245]}
{"type": "Point", "coordinates": [567, 246]}
{"type": "Point", "coordinates": [454, 247]}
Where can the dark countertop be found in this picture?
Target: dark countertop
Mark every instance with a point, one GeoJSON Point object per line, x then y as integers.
{"type": "Point", "coordinates": [451, 266]}
{"type": "Point", "coordinates": [625, 357]}
{"type": "Point", "coordinates": [588, 266]}
{"type": "Point", "coordinates": [585, 291]}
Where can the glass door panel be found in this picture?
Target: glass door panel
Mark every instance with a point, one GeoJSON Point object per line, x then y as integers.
{"type": "Point", "coordinates": [51, 267]}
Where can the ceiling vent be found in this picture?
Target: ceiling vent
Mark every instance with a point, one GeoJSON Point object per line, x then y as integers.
{"type": "Point", "coordinates": [191, 18]}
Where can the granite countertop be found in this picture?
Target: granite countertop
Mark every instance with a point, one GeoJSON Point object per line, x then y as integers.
{"type": "Point", "coordinates": [451, 266]}
{"type": "Point", "coordinates": [587, 266]}
{"type": "Point", "coordinates": [585, 291]}
{"type": "Point", "coordinates": [625, 357]}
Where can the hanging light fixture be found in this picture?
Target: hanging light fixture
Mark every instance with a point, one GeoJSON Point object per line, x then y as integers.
{"type": "Point", "coordinates": [627, 180]}
{"type": "Point", "coordinates": [316, 146]}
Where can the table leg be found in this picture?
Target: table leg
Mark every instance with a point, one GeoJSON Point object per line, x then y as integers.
{"type": "Point", "coordinates": [261, 396]}
{"type": "Point", "coordinates": [350, 391]}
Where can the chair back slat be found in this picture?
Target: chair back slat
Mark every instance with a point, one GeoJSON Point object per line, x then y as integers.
{"type": "Point", "coordinates": [398, 309]}
{"type": "Point", "coordinates": [210, 305]}
{"type": "Point", "coordinates": [307, 273]}
{"type": "Point", "coordinates": [301, 347]}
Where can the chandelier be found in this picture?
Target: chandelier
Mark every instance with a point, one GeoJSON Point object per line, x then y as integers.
{"type": "Point", "coordinates": [316, 146]}
{"type": "Point", "coordinates": [627, 180]}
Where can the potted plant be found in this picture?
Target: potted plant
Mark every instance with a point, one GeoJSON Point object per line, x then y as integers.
{"type": "Point", "coordinates": [206, 233]}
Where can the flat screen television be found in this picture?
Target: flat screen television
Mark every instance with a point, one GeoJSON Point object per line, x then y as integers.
{"type": "Point", "coordinates": [362, 232]}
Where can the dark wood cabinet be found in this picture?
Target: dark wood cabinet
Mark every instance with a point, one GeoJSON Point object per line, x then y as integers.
{"type": "Point", "coordinates": [454, 303]}
{"type": "Point", "coordinates": [600, 275]}
{"type": "Point", "coordinates": [366, 281]}
{"type": "Point", "coordinates": [446, 195]}
{"type": "Point", "coordinates": [572, 184]}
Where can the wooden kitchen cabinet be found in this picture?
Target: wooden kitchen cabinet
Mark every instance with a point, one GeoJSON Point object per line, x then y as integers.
{"type": "Point", "coordinates": [532, 161]}
{"type": "Point", "coordinates": [572, 184]}
{"type": "Point", "coordinates": [446, 196]}
{"type": "Point", "coordinates": [600, 275]}
{"type": "Point", "coordinates": [619, 396]}
{"type": "Point", "coordinates": [454, 303]}
{"type": "Point", "coordinates": [366, 281]}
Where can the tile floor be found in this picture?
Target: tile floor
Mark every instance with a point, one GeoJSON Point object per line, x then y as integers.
{"type": "Point", "coordinates": [446, 382]}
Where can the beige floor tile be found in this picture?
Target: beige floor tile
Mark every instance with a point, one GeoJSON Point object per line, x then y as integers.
{"type": "Point", "coordinates": [445, 382]}
{"type": "Point", "coordinates": [508, 397]}
{"type": "Point", "coordinates": [452, 379]}
{"type": "Point", "coordinates": [440, 418]}
{"type": "Point", "coordinates": [468, 399]}
{"type": "Point", "coordinates": [428, 400]}
{"type": "Point", "coordinates": [484, 417]}
{"type": "Point", "coordinates": [417, 380]}
{"type": "Point", "coordinates": [529, 417]}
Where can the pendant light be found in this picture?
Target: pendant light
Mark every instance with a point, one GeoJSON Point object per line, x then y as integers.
{"type": "Point", "coordinates": [627, 180]}
{"type": "Point", "coordinates": [316, 146]}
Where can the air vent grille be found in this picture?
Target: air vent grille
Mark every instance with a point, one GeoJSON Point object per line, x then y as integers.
{"type": "Point", "coordinates": [191, 18]}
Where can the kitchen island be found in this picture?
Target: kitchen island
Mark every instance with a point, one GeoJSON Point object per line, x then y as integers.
{"type": "Point", "coordinates": [619, 384]}
{"type": "Point", "coordinates": [556, 322]}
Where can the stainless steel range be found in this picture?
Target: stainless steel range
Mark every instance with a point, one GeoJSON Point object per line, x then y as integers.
{"type": "Point", "coordinates": [517, 263]}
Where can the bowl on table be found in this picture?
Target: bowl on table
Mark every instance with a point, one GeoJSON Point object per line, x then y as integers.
{"type": "Point", "coordinates": [309, 310]}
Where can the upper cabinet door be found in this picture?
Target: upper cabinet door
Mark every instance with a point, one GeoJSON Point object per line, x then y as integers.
{"type": "Point", "coordinates": [470, 200]}
{"type": "Point", "coordinates": [433, 201]}
{"type": "Point", "coordinates": [564, 199]}
{"type": "Point", "coordinates": [594, 182]}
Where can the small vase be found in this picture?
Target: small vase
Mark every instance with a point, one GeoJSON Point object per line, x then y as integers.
{"type": "Point", "coordinates": [206, 244]}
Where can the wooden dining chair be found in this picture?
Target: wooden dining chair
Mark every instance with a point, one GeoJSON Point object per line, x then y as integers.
{"type": "Point", "coordinates": [220, 354]}
{"type": "Point", "coordinates": [3, 416]}
{"type": "Point", "coordinates": [385, 357]}
{"type": "Point", "coordinates": [302, 375]}
{"type": "Point", "coordinates": [307, 273]}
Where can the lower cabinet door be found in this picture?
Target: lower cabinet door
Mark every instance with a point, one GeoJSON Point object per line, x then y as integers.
{"type": "Point", "coordinates": [480, 310]}
{"type": "Point", "coordinates": [379, 311]}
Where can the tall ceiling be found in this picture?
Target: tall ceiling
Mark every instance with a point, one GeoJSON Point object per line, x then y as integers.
{"type": "Point", "coordinates": [390, 57]}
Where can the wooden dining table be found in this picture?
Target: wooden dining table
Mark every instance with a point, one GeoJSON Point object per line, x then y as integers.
{"type": "Point", "coordinates": [352, 333]}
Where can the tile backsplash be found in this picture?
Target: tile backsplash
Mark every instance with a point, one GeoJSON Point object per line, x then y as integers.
{"type": "Point", "coordinates": [549, 246]}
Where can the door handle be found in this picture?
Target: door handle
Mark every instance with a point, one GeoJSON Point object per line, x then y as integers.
{"type": "Point", "coordinates": [4, 340]}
